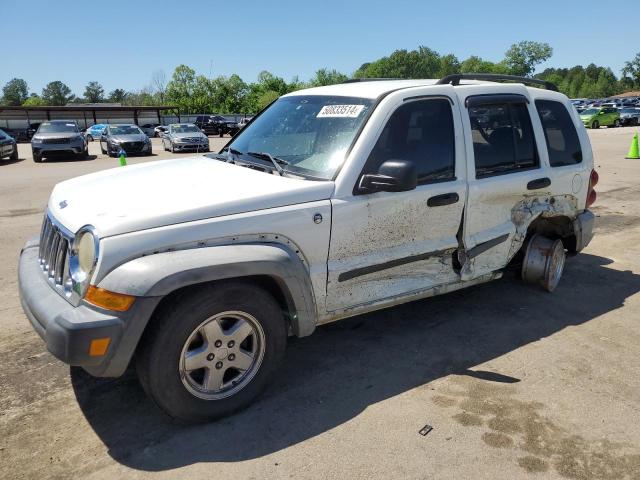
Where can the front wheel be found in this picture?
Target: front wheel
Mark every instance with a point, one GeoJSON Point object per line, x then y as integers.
{"type": "Point", "coordinates": [89, 138]}
{"type": "Point", "coordinates": [37, 157]}
{"type": "Point", "coordinates": [14, 154]}
{"type": "Point", "coordinates": [595, 124]}
{"type": "Point", "coordinates": [211, 352]}
{"type": "Point", "coordinates": [616, 123]}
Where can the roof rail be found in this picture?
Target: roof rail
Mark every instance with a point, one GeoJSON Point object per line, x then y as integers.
{"type": "Point", "coordinates": [355, 80]}
{"type": "Point", "coordinates": [494, 77]}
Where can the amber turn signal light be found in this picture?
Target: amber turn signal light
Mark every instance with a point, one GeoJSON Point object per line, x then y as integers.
{"type": "Point", "coordinates": [98, 346]}
{"type": "Point", "coordinates": [109, 300]}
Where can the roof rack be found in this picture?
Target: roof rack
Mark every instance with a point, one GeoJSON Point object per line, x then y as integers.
{"type": "Point", "coordinates": [355, 80]}
{"type": "Point", "coordinates": [494, 77]}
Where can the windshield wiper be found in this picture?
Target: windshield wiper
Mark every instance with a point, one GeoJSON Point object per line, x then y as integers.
{"type": "Point", "coordinates": [275, 160]}
{"type": "Point", "coordinates": [231, 155]}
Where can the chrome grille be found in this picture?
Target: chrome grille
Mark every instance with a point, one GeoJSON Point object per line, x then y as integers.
{"type": "Point", "coordinates": [54, 251]}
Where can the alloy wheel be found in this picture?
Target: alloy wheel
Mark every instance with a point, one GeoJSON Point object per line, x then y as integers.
{"type": "Point", "coordinates": [222, 355]}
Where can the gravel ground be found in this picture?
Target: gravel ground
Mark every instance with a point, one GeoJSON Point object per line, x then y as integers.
{"type": "Point", "coordinates": [517, 383]}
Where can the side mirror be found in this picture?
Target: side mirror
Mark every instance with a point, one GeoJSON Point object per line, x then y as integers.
{"type": "Point", "coordinates": [601, 112]}
{"type": "Point", "coordinates": [392, 176]}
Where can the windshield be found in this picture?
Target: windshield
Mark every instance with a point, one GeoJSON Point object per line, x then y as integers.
{"type": "Point", "coordinates": [125, 130]}
{"type": "Point", "coordinates": [630, 110]}
{"type": "Point", "coordinates": [311, 132]}
{"type": "Point", "coordinates": [184, 129]}
{"type": "Point", "coordinates": [590, 111]}
{"type": "Point", "coordinates": [48, 127]}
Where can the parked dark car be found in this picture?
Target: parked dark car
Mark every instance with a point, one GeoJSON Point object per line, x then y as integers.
{"type": "Point", "coordinates": [216, 125]}
{"type": "Point", "coordinates": [8, 146]}
{"type": "Point", "coordinates": [58, 138]}
{"type": "Point", "coordinates": [127, 137]}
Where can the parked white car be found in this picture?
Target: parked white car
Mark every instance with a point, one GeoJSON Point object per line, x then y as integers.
{"type": "Point", "coordinates": [333, 202]}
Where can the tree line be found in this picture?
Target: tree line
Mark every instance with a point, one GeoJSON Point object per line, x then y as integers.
{"type": "Point", "coordinates": [196, 93]}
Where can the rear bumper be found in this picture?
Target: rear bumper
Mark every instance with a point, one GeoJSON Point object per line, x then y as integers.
{"type": "Point", "coordinates": [68, 330]}
{"type": "Point", "coordinates": [583, 229]}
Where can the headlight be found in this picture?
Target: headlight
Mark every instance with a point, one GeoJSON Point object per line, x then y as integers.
{"type": "Point", "coordinates": [36, 140]}
{"type": "Point", "coordinates": [83, 258]}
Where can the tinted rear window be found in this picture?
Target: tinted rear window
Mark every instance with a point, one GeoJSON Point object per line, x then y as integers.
{"type": "Point", "coordinates": [503, 139]}
{"type": "Point", "coordinates": [560, 133]}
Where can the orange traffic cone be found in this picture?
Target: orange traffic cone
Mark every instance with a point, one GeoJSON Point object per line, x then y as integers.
{"type": "Point", "coordinates": [634, 154]}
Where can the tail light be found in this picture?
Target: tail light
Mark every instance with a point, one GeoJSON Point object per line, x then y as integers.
{"type": "Point", "coordinates": [591, 193]}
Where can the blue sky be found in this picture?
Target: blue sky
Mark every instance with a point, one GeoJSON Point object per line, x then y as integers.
{"type": "Point", "coordinates": [121, 43]}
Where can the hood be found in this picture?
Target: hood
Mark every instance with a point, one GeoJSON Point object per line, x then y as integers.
{"type": "Point", "coordinates": [58, 135]}
{"type": "Point", "coordinates": [167, 192]}
{"type": "Point", "coordinates": [134, 137]}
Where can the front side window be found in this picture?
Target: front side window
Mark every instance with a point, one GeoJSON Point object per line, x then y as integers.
{"type": "Point", "coordinates": [503, 140]}
{"type": "Point", "coordinates": [421, 132]}
{"type": "Point", "coordinates": [312, 133]}
{"type": "Point", "coordinates": [560, 133]}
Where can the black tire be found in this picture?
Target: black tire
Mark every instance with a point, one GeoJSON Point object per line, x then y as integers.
{"type": "Point", "coordinates": [595, 124]}
{"type": "Point", "coordinates": [634, 122]}
{"type": "Point", "coordinates": [104, 152]}
{"type": "Point", "coordinates": [616, 123]}
{"type": "Point", "coordinates": [171, 148]}
{"type": "Point", "coordinates": [89, 138]}
{"type": "Point", "coordinates": [14, 155]}
{"type": "Point", "coordinates": [158, 355]}
{"type": "Point", "coordinates": [37, 157]}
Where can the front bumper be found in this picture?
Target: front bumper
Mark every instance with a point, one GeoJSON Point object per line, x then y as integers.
{"type": "Point", "coordinates": [68, 330]}
{"type": "Point", "coordinates": [57, 148]}
{"type": "Point", "coordinates": [115, 149]}
{"type": "Point", "coordinates": [200, 147]}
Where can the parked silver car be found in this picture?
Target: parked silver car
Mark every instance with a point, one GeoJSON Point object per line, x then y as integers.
{"type": "Point", "coordinates": [58, 137]}
{"type": "Point", "coordinates": [127, 137]}
{"type": "Point", "coordinates": [185, 136]}
{"type": "Point", "coordinates": [630, 116]}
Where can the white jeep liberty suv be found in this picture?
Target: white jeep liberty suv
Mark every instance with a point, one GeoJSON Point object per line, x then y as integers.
{"type": "Point", "coordinates": [332, 202]}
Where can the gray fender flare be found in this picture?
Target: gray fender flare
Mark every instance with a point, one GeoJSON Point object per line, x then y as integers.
{"type": "Point", "coordinates": [160, 274]}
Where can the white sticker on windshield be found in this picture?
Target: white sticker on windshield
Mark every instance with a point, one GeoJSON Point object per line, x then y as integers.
{"type": "Point", "coordinates": [337, 111]}
{"type": "Point", "coordinates": [70, 124]}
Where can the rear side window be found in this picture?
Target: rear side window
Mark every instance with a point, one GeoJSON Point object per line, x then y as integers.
{"type": "Point", "coordinates": [560, 133]}
{"type": "Point", "coordinates": [503, 140]}
{"type": "Point", "coordinates": [422, 132]}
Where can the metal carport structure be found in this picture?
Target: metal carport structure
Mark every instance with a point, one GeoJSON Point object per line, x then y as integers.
{"type": "Point", "coordinates": [87, 114]}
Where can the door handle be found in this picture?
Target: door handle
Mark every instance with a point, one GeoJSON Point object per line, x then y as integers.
{"type": "Point", "coordinates": [444, 199]}
{"type": "Point", "coordinates": [538, 183]}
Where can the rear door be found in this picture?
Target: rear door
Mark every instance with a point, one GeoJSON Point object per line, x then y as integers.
{"type": "Point", "coordinates": [388, 244]}
{"type": "Point", "coordinates": [505, 171]}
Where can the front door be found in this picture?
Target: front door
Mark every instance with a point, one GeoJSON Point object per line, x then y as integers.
{"type": "Point", "coordinates": [387, 244]}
